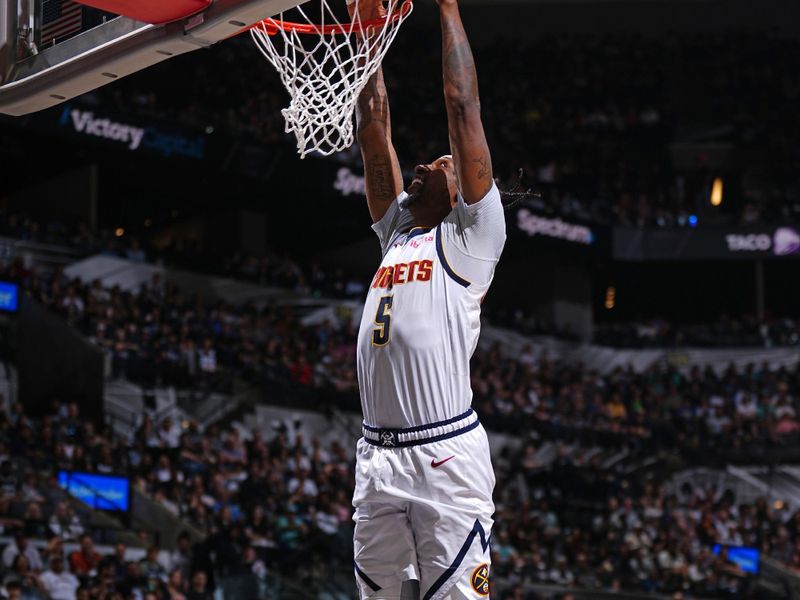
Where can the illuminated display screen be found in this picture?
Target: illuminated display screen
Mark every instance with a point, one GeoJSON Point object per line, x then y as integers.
{"type": "Point", "coordinates": [9, 297]}
{"type": "Point", "coordinates": [101, 492]}
{"type": "Point", "coordinates": [746, 558]}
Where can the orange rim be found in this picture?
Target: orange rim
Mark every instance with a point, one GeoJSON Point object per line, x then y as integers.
{"type": "Point", "coordinates": [273, 26]}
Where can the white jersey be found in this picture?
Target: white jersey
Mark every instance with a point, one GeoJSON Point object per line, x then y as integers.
{"type": "Point", "coordinates": [421, 318]}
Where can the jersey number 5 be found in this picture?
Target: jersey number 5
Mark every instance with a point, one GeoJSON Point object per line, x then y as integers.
{"type": "Point", "coordinates": [383, 319]}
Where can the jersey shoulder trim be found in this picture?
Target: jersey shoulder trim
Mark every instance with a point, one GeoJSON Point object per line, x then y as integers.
{"type": "Point", "coordinates": [415, 231]}
{"type": "Point", "coordinates": [443, 258]}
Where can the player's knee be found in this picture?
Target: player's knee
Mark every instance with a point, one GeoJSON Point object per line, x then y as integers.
{"type": "Point", "coordinates": [408, 590]}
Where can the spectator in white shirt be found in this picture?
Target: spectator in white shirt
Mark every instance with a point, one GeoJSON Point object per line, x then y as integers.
{"type": "Point", "coordinates": [20, 546]}
{"type": "Point", "coordinates": [207, 357]}
{"type": "Point", "coordinates": [60, 584]}
{"type": "Point", "coordinates": [302, 485]}
{"type": "Point", "coordinates": [746, 406]}
{"type": "Point", "coordinates": [327, 522]}
{"type": "Point", "coordinates": [170, 433]}
{"type": "Point", "coordinates": [65, 523]}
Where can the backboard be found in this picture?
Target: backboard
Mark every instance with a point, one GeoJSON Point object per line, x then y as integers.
{"type": "Point", "coordinates": [54, 50]}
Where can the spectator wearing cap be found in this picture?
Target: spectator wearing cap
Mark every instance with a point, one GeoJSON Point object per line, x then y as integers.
{"type": "Point", "coordinates": [20, 546]}
{"type": "Point", "coordinates": [59, 584]}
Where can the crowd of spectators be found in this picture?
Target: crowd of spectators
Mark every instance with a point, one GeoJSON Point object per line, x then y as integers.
{"type": "Point", "coordinates": [573, 523]}
{"type": "Point", "coordinates": [159, 336]}
{"type": "Point", "coordinates": [271, 269]}
{"type": "Point", "coordinates": [279, 270]}
{"type": "Point", "coordinates": [261, 504]}
{"type": "Point", "coordinates": [227, 485]}
{"type": "Point", "coordinates": [701, 412]}
{"type": "Point", "coordinates": [589, 117]}
{"type": "Point", "coordinates": [593, 129]}
{"type": "Point", "coordinates": [278, 502]}
{"type": "Point", "coordinates": [659, 333]}
{"type": "Point", "coordinates": [740, 331]}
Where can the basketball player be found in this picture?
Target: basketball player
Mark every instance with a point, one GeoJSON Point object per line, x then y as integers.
{"type": "Point", "coordinates": [424, 479]}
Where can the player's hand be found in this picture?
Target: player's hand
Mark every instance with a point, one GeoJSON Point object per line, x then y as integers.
{"type": "Point", "coordinates": [368, 10]}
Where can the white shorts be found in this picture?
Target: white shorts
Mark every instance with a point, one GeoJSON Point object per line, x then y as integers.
{"type": "Point", "coordinates": [424, 512]}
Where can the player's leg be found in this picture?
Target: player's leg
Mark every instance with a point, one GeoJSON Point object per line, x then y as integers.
{"type": "Point", "coordinates": [471, 585]}
{"type": "Point", "coordinates": [383, 543]}
{"type": "Point", "coordinates": [454, 559]}
{"type": "Point", "coordinates": [452, 521]}
{"type": "Point", "coordinates": [385, 556]}
{"type": "Point", "coordinates": [408, 590]}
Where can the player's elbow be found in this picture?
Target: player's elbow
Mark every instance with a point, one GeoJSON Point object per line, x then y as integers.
{"type": "Point", "coordinates": [462, 106]}
{"type": "Point", "coordinates": [372, 134]}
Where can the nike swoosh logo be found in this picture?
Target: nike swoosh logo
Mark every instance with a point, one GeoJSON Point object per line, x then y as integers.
{"type": "Point", "coordinates": [436, 465]}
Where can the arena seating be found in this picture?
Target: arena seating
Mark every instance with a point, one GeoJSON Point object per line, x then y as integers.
{"type": "Point", "coordinates": [269, 500]}
{"type": "Point", "coordinates": [592, 119]}
{"type": "Point", "coordinates": [614, 430]}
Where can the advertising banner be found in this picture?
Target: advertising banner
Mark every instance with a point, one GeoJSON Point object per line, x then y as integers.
{"type": "Point", "coordinates": [537, 226]}
{"type": "Point", "coordinates": [131, 134]}
{"type": "Point", "coordinates": [524, 221]}
{"type": "Point", "coordinates": [125, 132]}
{"type": "Point", "coordinates": [766, 242]}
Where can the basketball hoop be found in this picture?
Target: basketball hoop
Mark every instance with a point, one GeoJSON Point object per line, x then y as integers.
{"type": "Point", "coordinates": [324, 66]}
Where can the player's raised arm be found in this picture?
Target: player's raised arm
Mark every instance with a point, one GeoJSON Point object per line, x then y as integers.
{"type": "Point", "coordinates": [374, 130]}
{"type": "Point", "coordinates": [381, 168]}
{"type": "Point", "coordinates": [467, 139]}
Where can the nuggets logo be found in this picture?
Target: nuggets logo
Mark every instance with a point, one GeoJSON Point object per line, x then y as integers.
{"type": "Point", "coordinates": [480, 580]}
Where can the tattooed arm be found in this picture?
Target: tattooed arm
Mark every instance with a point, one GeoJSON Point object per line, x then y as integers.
{"type": "Point", "coordinates": [467, 139]}
{"type": "Point", "coordinates": [381, 167]}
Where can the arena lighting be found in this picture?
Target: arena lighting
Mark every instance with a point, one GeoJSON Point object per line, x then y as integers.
{"type": "Point", "coordinates": [716, 192]}
{"type": "Point", "coordinates": [692, 220]}
{"type": "Point", "coordinates": [119, 232]}
{"type": "Point", "coordinates": [611, 297]}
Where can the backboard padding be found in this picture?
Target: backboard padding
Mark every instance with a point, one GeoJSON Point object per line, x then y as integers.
{"type": "Point", "coordinates": [115, 49]}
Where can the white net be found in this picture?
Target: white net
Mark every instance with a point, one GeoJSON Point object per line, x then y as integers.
{"type": "Point", "coordinates": [324, 64]}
